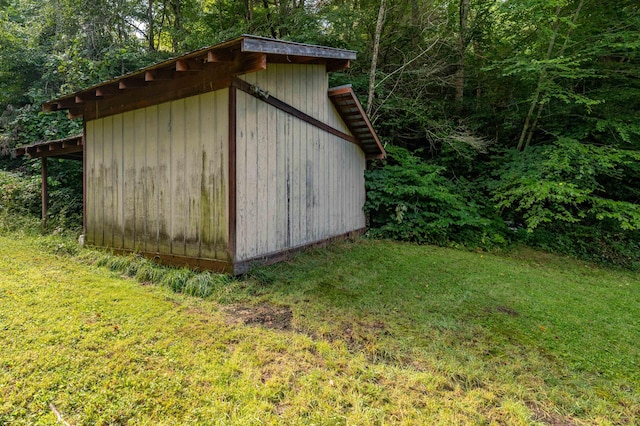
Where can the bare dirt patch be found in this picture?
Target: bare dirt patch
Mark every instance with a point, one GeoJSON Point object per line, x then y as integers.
{"type": "Point", "coordinates": [551, 419]}
{"type": "Point", "coordinates": [507, 310]}
{"type": "Point", "coordinates": [265, 315]}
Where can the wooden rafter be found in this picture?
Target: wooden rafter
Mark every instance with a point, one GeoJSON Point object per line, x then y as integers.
{"type": "Point", "coordinates": [354, 116]}
{"type": "Point", "coordinates": [196, 72]}
{"type": "Point", "coordinates": [69, 148]}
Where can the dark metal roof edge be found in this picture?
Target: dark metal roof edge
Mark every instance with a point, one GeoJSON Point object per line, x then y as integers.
{"type": "Point", "coordinates": [351, 54]}
{"type": "Point", "coordinates": [320, 51]}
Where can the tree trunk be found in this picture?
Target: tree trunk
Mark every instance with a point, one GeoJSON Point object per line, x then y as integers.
{"type": "Point", "coordinates": [564, 46]}
{"type": "Point", "coordinates": [374, 56]}
{"type": "Point", "coordinates": [272, 30]}
{"type": "Point", "coordinates": [177, 25]}
{"type": "Point", "coordinates": [465, 5]}
{"type": "Point", "coordinates": [151, 28]}
{"type": "Point", "coordinates": [541, 78]}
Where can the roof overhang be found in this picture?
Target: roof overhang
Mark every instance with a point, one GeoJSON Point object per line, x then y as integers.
{"type": "Point", "coordinates": [69, 148]}
{"type": "Point", "coordinates": [354, 116]}
{"type": "Point", "coordinates": [208, 69]}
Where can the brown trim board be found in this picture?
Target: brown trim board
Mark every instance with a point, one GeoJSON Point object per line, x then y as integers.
{"type": "Point", "coordinates": [244, 266]}
{"type": "Point", "coordinates": [233, 268]}
{"type": "Point", "coordinates": [232, 173]}
{"type": "Point", "coordinates": [180, 261]}
{"type": "Point", "coordinates": [84, 178]}
{"type": "Point", "coordinates": [260, 94]}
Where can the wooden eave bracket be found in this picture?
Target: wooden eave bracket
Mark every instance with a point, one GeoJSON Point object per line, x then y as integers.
{"type": "Point", "coordinates": [61, 148]}
{"type": "Point", "coordinates": [159, 74]}
{"type": "Point", "coordinates": [183, 65]}
{"type": "Point", "coordinates": [347, 104]}
{"type": "Point", "coordinates": [132, 83]}
{"type": "Point", "coordinates": [222, 62]}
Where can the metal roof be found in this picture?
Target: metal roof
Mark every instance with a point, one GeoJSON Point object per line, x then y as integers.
{"type": "Point", "coordinates": [202, 70]}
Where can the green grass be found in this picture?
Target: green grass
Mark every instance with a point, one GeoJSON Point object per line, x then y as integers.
{"type": "Point", "coordinates": [363, 333]}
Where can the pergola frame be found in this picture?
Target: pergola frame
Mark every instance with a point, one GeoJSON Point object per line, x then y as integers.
{"type": "Point", "coordinates": [71, 148]}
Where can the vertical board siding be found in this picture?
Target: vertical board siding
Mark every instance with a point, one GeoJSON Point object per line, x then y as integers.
{"type": "Point", "coordinates": [150, 178]}
{"type": "Point", "coordinates": [194, 153]}
{"type": "Point", "coordinates": [117, 166]}
{"type": "Point", "coordinates": [108, 182]}
{"type": "Point", "coordinates": [157, 178]}
{"type": "Point", "coordinates": [297, 184]}
{"type": "Point", "coordinates": [129, 184]}
{"type": "Point", "coordinates": [90, 182]}
{"type": "Point", "coordinates": [141, 192]}
{"type": "Point", "coordinates": [178, 171]}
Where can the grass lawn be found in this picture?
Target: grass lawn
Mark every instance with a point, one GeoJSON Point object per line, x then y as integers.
{"type": "Point", "coordinates": [359, 333]}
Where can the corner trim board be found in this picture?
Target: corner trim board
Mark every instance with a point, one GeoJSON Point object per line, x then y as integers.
{"type": "Point", "coordinates": [232, 187]}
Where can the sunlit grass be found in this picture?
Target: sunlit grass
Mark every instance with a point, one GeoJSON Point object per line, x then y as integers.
{"type": "Point", "coordinates": [381, 333]}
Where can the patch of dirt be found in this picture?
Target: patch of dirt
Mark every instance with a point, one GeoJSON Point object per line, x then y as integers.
{"type": "Point", "coordinates": [550, 419]}
{"type": "Point", "coordinates": [265, 315]}
{"type": "Point", "coordinates": [507, 310]}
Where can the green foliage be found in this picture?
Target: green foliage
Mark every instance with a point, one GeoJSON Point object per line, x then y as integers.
{"type": "Point", "coordinates": [602, 242]}
{"type": "Point", "coordinates": [409, 199]}
{"type": "Point", "coordinates": [556, 77]}
{"type": "Point", "coordinates": [567, 182]}
{"type": "Point", "coordinates": [19, 196]}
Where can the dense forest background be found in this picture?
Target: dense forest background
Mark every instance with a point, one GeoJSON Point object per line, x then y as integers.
{"type": "Point", "coordinates": [505, 120]}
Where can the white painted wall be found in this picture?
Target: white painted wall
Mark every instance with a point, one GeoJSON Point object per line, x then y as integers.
{"type": "Point", "coordinates": [297, 184]}
{"type": "Point", "coordinates": [157, 178]}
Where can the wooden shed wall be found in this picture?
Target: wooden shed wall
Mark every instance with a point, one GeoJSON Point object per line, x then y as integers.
{"type": "Point", "coordinates": [296, 184]}
{"type": "Point", "coordinates": [157, 178]}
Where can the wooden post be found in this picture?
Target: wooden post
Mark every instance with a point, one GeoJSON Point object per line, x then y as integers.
{"type": "Point", "coordinates": [45, 191]}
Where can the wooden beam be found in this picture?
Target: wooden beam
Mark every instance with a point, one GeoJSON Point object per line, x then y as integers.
{"type": "Point", "coordinates": [160, 74]}
{"type": "Point", "coordinates": [338, 64]}
{"type": "Point", "coordinates": [183, 65]}
{"type": "Point", "coordinates": [47, 151]}
{"type": "Point", "coordinates": [71, 143]}
{"type": "Point", "coordinates": [219, 56]}
{"type": "Point", "coordinates": [86, 97]}
{"type": "Point", "coordinates": [45, 191]}
{"type": "Point", "coordinates": [131, 83]}
{"type": "Point", "coordinates": [249, 62]}
{"type": "Point", "coordinates": [84, 179]}
{"type": "Point", "coordinates": [231, 238]}
{"type": "Point", "coordinates": [73, 113]}
{"type": "Point", "coordinates": [66, 103]}
{"type": "Point", "coordinates": [282, 106]}
{"type": "Point", "coordinates": [108, 90]}
{"type": "Point", "coordinates": [213, 77]}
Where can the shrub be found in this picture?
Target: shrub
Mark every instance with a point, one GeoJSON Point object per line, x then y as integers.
{"type": "Point", "coordinates": [410, 199]}
{"type": "Point", "coordinates": [566, 181]}
{"type": "Point", "coordinates": [19, 195]}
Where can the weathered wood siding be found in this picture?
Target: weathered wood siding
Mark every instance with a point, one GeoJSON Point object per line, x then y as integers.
{"type": "Point", "coordinates": [157, 178]}
{"type": "Point", "coordinates": [296, 184]}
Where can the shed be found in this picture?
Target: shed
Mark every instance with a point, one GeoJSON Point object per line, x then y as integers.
{"type": "Point", "coordinates": [231, 155]}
